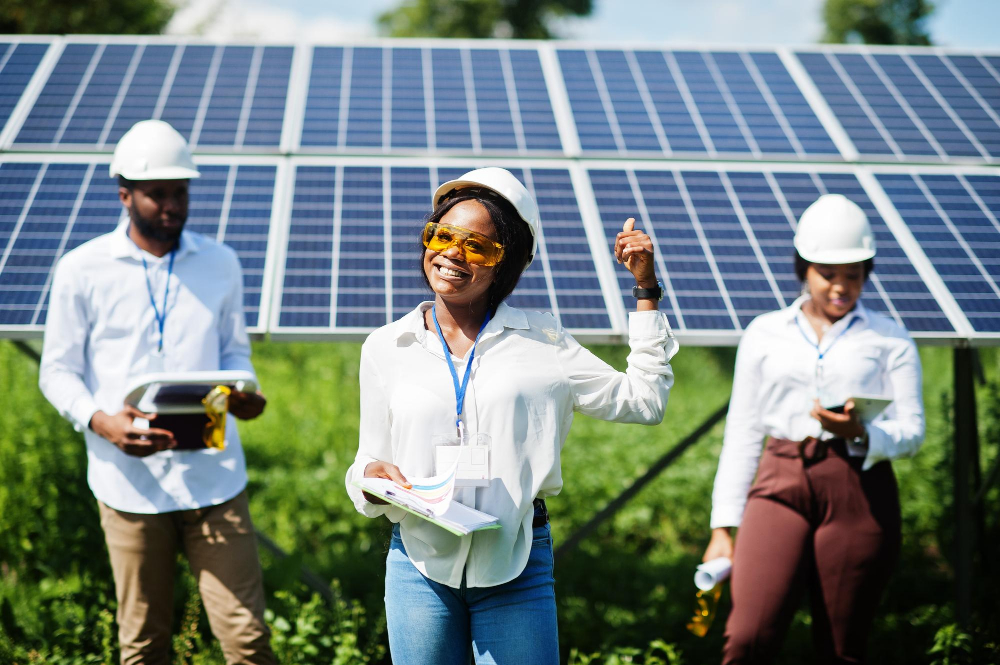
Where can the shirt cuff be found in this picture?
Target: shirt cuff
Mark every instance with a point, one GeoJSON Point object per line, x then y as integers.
{"type": "Point", "coordinates": [726, 516]}
{"type": "Point", "coordinates": [83, 409]}
{"type": "Point", "coordinates": [879, 447]}
{"type": "Point", "coordinates": [651, 323]}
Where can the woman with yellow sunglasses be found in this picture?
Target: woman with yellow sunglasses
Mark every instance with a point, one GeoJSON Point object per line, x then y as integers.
{"type": "Point", "coordinates": [506, 382]}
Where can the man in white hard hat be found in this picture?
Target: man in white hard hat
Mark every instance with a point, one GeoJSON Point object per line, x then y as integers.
{"type": "Point", "coordinates": [152, 297]}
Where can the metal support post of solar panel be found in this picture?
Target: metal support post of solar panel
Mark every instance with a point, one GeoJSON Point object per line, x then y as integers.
{"type": "Point", "coordinates": [312, 152]}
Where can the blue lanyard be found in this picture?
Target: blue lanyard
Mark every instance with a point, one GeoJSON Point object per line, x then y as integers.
{"type": "Point", "coordinates": [161, 317]}
{"type": "Point", "coordinates": [460, 388]}
{"type": "Point", "coordinates": [821, 354]}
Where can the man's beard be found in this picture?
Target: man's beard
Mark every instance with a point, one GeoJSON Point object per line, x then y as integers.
{"type": "Point", "coordinates": [149, 228]}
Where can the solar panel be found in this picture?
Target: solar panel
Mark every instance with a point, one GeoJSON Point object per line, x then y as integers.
{"type": "Point", "coordinates": [352, 256]}
{"type": "Point", "coordinates": [399, 99]}
{"type": "Point", "coordinates": [724, 242]}
{"type": "Point", "coordinates": [220, 96]}
{"type": "Point", "coordinates": [48, 208]}
{"type": "Point", "coordinates": [954, 217]}
{"type": "Point", "coordinates": [376, 126]}
{"type": "Point", "coordinates": [18, 63]}
{"type": "Point", "coordinates": [690, 102]}
{"type": "Point", "coordinates": [911, 104]}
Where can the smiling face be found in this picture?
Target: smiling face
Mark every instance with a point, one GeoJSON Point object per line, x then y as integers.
{"type": "Point", "coordinates": [835, 289]}
{"type": "Point", "coordinates": [158, 209]}
{"type": "Point", "coordinates": [450, 276]}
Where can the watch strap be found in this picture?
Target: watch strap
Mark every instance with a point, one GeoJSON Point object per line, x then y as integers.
{"type": "Point", "coordinates": [655, 293]}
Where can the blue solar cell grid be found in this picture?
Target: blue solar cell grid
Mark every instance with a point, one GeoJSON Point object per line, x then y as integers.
{"type": "Point", "coordinates": [48, 209]}
{"type": "Point", "coordinates": [912, 105]}
{"type": "Point", "coordinates": [335, 273]}
{"type": "Point", "coordinates": [954, 217]}
{"type": "Point", "coordinates": [725, 242]}
{"type": "Point", "coordinates": [18, 62]}
{"type": "Point", "coordinates": [690, 102]}
{"type": "Point", "coordinates": [218, 96]}
{"type": "Point", "coordinates": [439, 99]}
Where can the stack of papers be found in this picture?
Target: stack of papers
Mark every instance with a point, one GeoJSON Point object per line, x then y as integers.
{"type": "Point", "coordinates": [431, 501]}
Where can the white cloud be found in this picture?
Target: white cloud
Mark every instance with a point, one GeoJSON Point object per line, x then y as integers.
{"type": "Point", "coordinates": [246, 19]}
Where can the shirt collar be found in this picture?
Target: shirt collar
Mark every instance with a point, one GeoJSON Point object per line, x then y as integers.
{"type": "Point", "coordinates": [506, 317]}
{"type": "Point", "coordinates": [123, 247]}
{"type": "Point", "coordinates": [859, 312]}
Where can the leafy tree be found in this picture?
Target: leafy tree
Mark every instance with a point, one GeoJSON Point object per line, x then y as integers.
{"type": "Point", "coordinates": [520, 19]}
{"type": "Point", "coordinates": [58, 17]}
{"type": "Point", "coordinates": [877, 21]}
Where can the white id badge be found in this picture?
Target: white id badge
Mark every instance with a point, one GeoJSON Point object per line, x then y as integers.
{"type": "Point", "coordinates": [473, 458]}
{"type": "Point", "coordinates": [156, 362]}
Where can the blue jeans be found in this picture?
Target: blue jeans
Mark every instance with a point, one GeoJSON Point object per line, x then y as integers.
{"type": "Point", "coordinates": [510, 624]}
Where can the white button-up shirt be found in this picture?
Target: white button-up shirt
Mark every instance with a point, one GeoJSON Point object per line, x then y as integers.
{"type": "Point", "coordinates": [781, 368]}
{"type": "Point", "coordinates": [99, 336]}
{"type": "Point", "coordinates": [528, 378]}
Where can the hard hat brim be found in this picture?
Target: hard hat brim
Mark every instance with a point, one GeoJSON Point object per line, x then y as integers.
{"type": "Point", "coordinates": [165, 173]}
{"type": "Point", "coordinates": [836, 257]}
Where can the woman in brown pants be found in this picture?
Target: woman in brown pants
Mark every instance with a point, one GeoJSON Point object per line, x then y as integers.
{"type": "Point", "coordinates": [823, 514]}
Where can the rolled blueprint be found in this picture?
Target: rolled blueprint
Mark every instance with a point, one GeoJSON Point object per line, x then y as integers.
{"type": "Point", "coordinates": [712, 573]}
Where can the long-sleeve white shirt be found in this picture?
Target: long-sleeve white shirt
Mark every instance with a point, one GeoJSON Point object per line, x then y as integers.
{"type": "Point", "coordinates": [528, 378]}
{"type": "Point", "coordinates": [100, 333]}
{"type": "Point", "coordinates": [779, 374]}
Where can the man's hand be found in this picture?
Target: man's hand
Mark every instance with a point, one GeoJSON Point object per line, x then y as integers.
{"type": "Point", "coordinates": [246, 406]}
{"type": "Point", "coordinates": [845, 425]}
{"type": "Point", "coordinates": [384, 470]}
{"type": "Point", "coordinates": [118, 429]}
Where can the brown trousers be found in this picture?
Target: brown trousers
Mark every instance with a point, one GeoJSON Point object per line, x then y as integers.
{"type": "Point", "coordinates": [813, 521]}
{"type": "Point", "coordinates": [221, 549]}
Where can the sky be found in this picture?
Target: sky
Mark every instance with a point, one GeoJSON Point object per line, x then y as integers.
{"type": "Point", "coordinates": [956, 23]}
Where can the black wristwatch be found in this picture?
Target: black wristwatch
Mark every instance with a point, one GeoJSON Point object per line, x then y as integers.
{"type": "Point", "coordinates": [655, 293]}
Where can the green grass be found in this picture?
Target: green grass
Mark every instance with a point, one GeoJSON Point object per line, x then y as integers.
{"type": "Point", "coordinates": [624, 588]}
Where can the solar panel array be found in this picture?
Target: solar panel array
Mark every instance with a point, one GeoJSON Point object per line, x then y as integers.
{"type": "Point", "coordinates": [911, 104]}
{"type": "Point", "coordinates": [48, 208]}
{"type": "Point", "coordinates": [474, 100]}
{"type": "Point", "coordinates": [318, 163]}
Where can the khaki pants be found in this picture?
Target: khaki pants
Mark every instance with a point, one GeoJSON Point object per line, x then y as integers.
{"type": "Point", "coordinates": [221, 549]}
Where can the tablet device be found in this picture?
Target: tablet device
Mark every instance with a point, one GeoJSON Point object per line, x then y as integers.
{"type": "Point", "coordinates": [868, 407]}
{"type": "Point", "coordinates": [176, 399]}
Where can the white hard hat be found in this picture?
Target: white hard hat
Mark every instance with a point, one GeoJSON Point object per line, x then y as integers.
{"type": "Point", "coordinates": [506, 185]}
{"type": "Point", "coordinates": [153, 150]}
{"type": "Point", "coordinates": [834, 230]}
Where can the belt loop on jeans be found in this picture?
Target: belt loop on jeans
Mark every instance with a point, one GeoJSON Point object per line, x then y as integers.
{"type": "Point", "coordinates": [539, 519]}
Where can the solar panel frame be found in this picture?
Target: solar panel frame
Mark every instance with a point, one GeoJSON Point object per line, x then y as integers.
{"type": "Point", "coordinates": [96, 170]}
{"type": "Point", "coordinates": [257, 111]}
{"type": "Point", "coordinates": [333, 170]}
{"type": "Point", "coordinates": [10, 124]}
{"type": "Point", "coordinates": [921, 177]}
{"type": "Point", "coordinates": [640, 97]}
{"type": "Point", "coordinates": [934, 121]}
{"type": "Point", "coordinates": [472, 96]}
{"type": "Point", "coordinates": [719, 337]}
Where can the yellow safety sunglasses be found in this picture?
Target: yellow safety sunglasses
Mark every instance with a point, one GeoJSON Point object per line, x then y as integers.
{"type": "Point", "coordinates": [477, 248]}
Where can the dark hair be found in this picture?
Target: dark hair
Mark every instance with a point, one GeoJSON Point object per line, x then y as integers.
{"type": "Point", "coordinates": [512, 232]}
{"type": "Point", "coordinates": [126, 183]}
{"type": "Point", "coordinates": [801, 266]}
